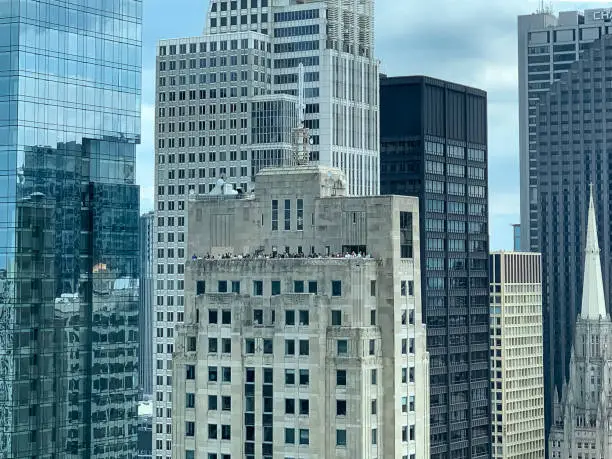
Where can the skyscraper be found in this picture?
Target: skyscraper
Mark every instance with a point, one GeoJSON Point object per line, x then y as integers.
{"type": "Point", "coordinates": [547, 46]}
{"type": "Point", "coordinates": [434, 146]}
{"type": "Point", "coordinates": [303, 336]}
{"type": "Point", "coordinates": [516, 237]}
{"type": "Point", "coordinates": [573, 139]}
{"type": "Point", "coordinates": [517, 373]}
{"type": "Point", "coordinates": [224, 100]}
{"type": "Point", "coordinates": [69, 125]}
{"type": "Point", "coordinates": [147, 292]}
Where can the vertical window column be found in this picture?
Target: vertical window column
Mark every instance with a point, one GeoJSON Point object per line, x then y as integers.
{"type": "Point", "coordinates": [300, 214]}
{"type": "Point", "coordinates": [274, 215]}
{"type": "Point", "coordinates": [287, 214]}
{"type": "Point", "coordinates": [267, 415]}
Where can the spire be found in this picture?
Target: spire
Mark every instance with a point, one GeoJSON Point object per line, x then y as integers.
{"type": "Point", "coordinates": [593, 300]}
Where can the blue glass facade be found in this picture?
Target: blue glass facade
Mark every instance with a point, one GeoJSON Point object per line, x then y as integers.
{"type": "Point", "coordinates": [70, 73]}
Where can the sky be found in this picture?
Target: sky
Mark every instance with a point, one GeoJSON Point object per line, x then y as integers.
{"type": "Point", "coordinates": [470, 42]}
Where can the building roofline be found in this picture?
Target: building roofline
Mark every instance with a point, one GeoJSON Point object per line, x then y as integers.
{"type": "Point", "coordinates": [418, 79]}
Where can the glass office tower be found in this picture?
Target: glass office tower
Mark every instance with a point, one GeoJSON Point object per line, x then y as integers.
{"type": "Point", "coordinates": [70, 75]}
{"type": "Point", "coordinates": [434, 146]}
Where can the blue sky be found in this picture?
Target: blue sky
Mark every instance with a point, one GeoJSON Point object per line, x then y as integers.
{"type": "Point", "coordinates": [471, 42]}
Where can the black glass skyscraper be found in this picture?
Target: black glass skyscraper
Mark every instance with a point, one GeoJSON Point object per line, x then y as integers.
{"type": "Point", "coordinates": [70, 73]}
{"type": "Point", "coordinates": [434, 146]}
{"type": "Point", "coordinates": [574, 149]}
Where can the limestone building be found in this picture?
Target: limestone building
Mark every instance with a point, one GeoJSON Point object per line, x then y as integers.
{"type": "Point", "coordinates": [582, 425]}
{"type": "Point", "coordinates": [302, 334]}
{"type": "Point", "coordinates": [517, 376]}
{"type": "Point", "coordinates": [224, 100]}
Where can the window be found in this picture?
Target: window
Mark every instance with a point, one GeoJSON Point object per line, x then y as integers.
{"type": "Point", "coordinates": [212, 316]}
{"type": "Point", "coordinates": [340, 407]}
{"type": "Point", "coordinates": [304, 318]}
{"type": "Point", "coordinates": [374, 377]}
{"type": "Point", "coordinates": [300, 214]}
{"type": "Point", "coordinates": [289, 436]}
{"type": "Point", "coordinates": [258, 316]}
{"type": "Point", "coordinates": [372, 288]}
{"type": "Point", "coordinates": [249, 345]}
{"type": "Point", "coordinates": [268, 345]}
{"type": "Point", "coordinates": [336, 288]}
{"type": "Point", "coordinates": [304, 377]}
{"type": "Point", "coordinates": [304, 437]}
{"type": "Point", "coordinates": [212, 345]}
{"type": "Point", "coordinates": [405, 235]}
{"type": "Point", "coordinates": [276, 287]}
{"type": "Point", "coordinates": [226, 374]}
{"type": "Point", "coordinates": [340, 437]}
{"type": "Point", "coordinates": [190, 428]}
{"type": "Point", "coordinates": [342, 347]}
{"type": "Point", "coordinates": [289, 377]}
{"type": "Point", "coordinates": [226, 403]}
{"type": "Point", "coordinates": [372, 347]}
{"type": "Point", "coordinates": [212, 431]}
{"type": "Point", "coordinates": [190, 370]}
{"type": "Point", "coordinates": [235, 286]}
{"type": "Point", "coordinates": [312, 287]}
{"type": "Point", "coordinates": [289, 317]}
{"type": "Point", "coordinates": [274, 214]}
{"type": "Point", "coordinates": [289, 347]}
{"type": "Point", "coordinates": [191, 343]}
{"type": "Point", "coordinates": [257, 288]}
{"type": "Point", "coordinates": [213, 374]}
{"type": "Point", "coordinates": [289, 406]}
{"type": "Point", "coordinates": [190, 400]}
{"type": "Point", "coordinates": [226, 432]}
{"type": "Point", "coordinates": [298, 286]}
{"type": "Point", "coordinates": [374, 436]}
{"type": "Point", "coordinates": [304, 347]}
{"type": "Point", "coordinates": [304, 407]}
{"type": "Point", "coordinates": [336, 317]}
{"type": "Point", "coordinates": [287, 214]}
{"type": "Point", "coordinates": [200, 287]}
{"type": "Point", "coordinates": [374, 407]}
{"type": "Point", "coordinates": [222, 287]}
{"type": "Point", "coordinates": [340, 377]}
{"type": "Point", "coordinates": [226, 345]}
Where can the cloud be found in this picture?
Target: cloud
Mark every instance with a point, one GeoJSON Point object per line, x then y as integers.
{"type": "Point", "coordinates": [471, 42]}
{"type": "Point", "coordinates": [474, 43]}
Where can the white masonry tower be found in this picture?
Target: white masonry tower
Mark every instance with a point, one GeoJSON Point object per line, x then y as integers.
{"type": "Point", "coordinates": [583, 412]}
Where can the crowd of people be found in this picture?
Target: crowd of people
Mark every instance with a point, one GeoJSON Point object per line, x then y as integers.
{"type": "Point", "coordinates": [231, 256]}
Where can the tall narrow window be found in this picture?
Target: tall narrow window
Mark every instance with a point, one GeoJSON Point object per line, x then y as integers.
{"type": "Point", "coordinates": [274, 215]}
{"type": "Point", "coordinates": [300, 214]}
{"type": "Point", "coordinates": [405, 235]}
{"type": "Point", "coordinates": [287, 214]}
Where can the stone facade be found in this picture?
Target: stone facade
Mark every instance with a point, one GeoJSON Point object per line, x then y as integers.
{"type": "Point", "coordinates": [583, 414]}
{"type": "Point", "coordinates": [517, 373]}
{"type": "Point", "coordinates": [292, 346]}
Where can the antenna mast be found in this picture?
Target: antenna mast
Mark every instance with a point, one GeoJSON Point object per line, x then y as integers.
{"type": "Point", "coordinates": [301, 106]}
{"type": "Point", "coordinates": [301, 137]}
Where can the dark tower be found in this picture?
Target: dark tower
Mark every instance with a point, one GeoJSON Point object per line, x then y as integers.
{"type": "Point", "coordinates": [434, 146]}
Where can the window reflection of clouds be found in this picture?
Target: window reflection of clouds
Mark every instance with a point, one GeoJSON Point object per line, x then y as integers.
{"type": "Point", "coordinates": [69, 123]}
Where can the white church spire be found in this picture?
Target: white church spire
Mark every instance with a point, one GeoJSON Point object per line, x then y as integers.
{"type": "Point", "coordinates": [593, 300]}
